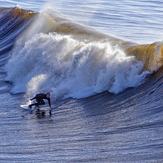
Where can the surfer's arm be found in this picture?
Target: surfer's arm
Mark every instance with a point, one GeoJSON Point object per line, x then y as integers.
{"type": "Point", "coordinates": [49, 103]}
{"type": "Point", "coordinates": [32, 98]}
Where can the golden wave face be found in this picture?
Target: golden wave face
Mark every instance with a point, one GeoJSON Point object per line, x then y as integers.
{"type": "Point", "coordinates": [149, 54]}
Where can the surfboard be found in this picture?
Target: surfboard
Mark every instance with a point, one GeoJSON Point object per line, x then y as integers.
{"type": "Point", "coordinates": [26, 107]}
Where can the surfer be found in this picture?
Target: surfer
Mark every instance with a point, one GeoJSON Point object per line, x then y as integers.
{"type": "Point", "coordinates": [39, 98]}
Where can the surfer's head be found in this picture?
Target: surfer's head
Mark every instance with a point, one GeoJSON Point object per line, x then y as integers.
{"type": "Point", "coordinates": [48, 95]}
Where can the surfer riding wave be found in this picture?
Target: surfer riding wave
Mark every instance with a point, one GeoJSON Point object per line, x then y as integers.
{"type": "Point", "coordinates": [39, 99]}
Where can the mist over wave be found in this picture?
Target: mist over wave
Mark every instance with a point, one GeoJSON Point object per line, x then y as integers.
{"type": "Point", "coordinates": [55, 54]}
{"type": "Point", "coordinates": [68, 66]}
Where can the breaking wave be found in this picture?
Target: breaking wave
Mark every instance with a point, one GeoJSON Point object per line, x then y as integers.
{"type": "Point", "coordinates": [53, 53]}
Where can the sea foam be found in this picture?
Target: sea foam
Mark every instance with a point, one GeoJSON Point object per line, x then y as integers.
{"type": "Point", "coordinates": [70, 68]}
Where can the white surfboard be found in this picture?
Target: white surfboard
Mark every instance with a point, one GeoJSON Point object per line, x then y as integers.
{"type": "Point", "coordinates": [26, 107]}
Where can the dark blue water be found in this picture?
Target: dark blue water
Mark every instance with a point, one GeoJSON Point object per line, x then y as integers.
{"type": "Point", "coordinates": [119, 117]}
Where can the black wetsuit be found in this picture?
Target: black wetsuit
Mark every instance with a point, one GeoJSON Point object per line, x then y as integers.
{"type": "Point", "coordinates": [39, 98]}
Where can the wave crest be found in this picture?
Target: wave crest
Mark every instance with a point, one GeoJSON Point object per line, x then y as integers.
{"type": "Point", "coordinates": [73, 60]}
{"type": "Point", "coordinates": [70, 68]}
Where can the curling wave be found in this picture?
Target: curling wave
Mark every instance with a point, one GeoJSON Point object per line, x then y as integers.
{"type": "Point", "coordinates": [72, 60]}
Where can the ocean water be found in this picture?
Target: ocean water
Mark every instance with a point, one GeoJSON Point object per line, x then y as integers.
{"type": "Point", "coordinates": [102, 63]}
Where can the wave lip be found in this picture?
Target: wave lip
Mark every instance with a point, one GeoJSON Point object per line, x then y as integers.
{"type": "Point", "coordinates": [150, 54]}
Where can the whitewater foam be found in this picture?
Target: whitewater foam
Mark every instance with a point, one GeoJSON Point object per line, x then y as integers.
{"type": "Point", "coordinates": [70, 68]}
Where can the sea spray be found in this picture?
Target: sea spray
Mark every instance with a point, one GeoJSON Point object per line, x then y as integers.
{"type": "Point", "coordinates": [67, 67]}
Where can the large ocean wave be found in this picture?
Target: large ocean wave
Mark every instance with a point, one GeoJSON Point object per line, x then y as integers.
{"type": "Point", "coordinates": [53, 53]}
